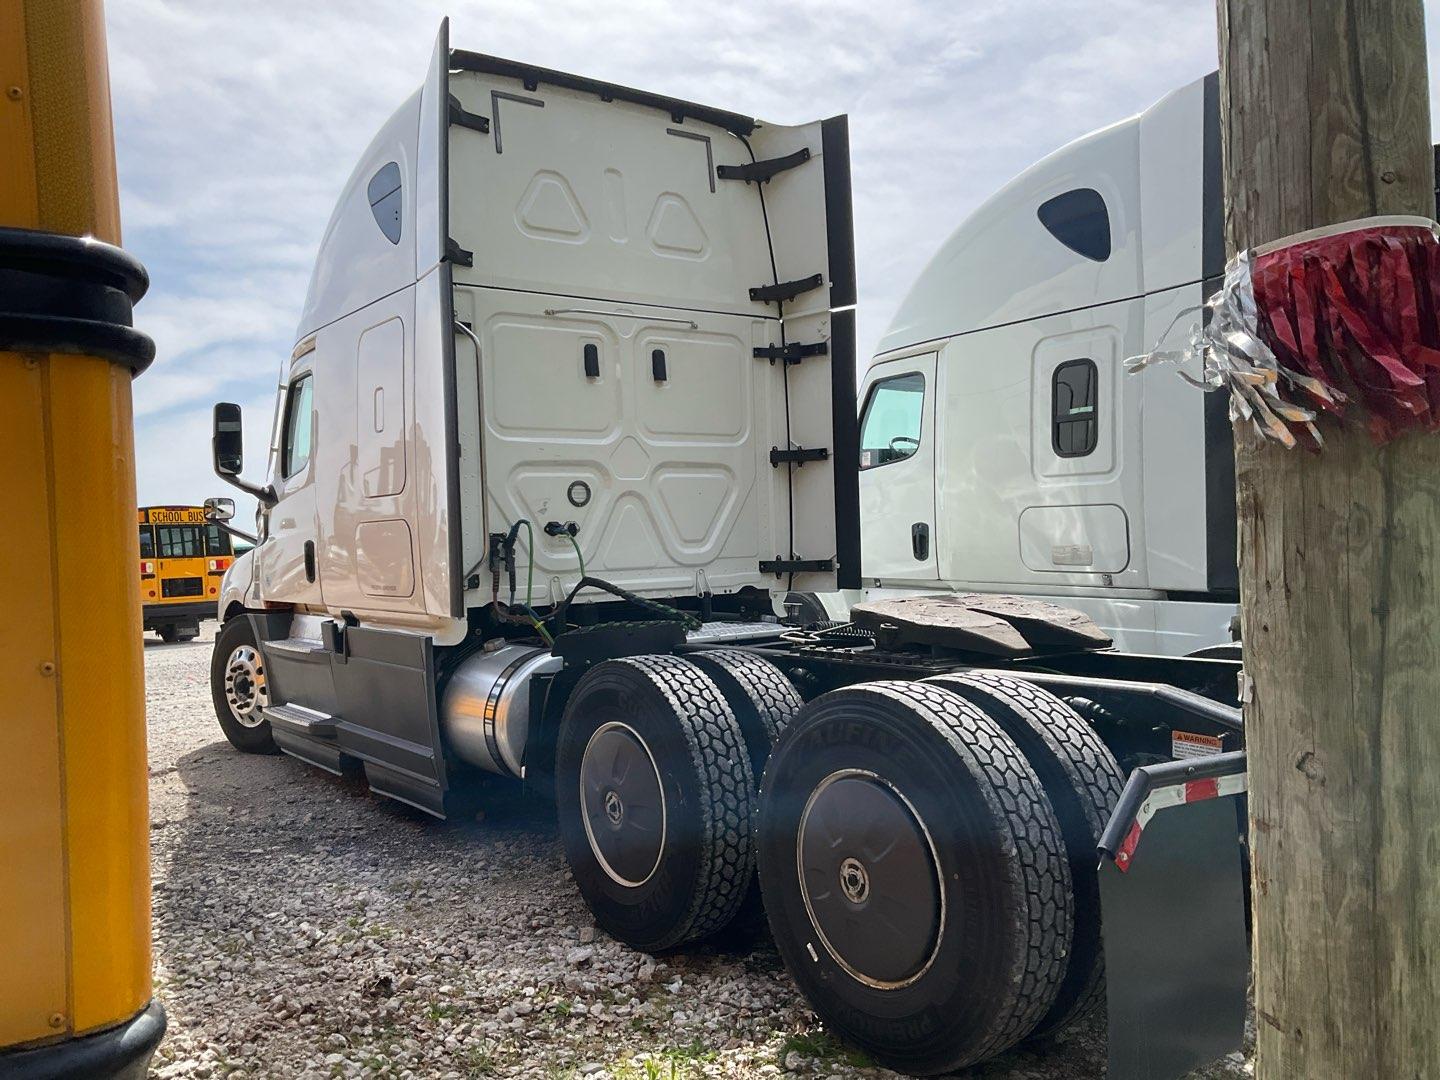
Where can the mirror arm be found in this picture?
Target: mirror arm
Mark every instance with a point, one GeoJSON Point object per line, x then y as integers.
{"type": "Point", "coordinates": [264, 494]}
{"type": "Point", "coordinates": [235, 532]}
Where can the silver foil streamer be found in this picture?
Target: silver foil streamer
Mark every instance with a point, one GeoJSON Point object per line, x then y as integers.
{"type": "Point", "coordinates": [1232, 356]}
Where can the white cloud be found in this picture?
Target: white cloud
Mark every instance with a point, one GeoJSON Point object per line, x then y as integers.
{"type": "Point", "coordinates": [237, 123]}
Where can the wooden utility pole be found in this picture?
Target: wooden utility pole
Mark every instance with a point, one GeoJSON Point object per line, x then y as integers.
{"type": "Point", "coordinates": [1325, 119]}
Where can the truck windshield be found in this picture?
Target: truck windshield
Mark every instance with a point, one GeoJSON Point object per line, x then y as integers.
{"type": "Point", "coordinates": [890, 426]}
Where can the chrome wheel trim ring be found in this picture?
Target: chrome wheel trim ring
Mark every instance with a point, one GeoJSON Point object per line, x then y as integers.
{"type": "Point", "coordinates": [847, 873]}
{"type": "Point", "coordinates": [608, 805]}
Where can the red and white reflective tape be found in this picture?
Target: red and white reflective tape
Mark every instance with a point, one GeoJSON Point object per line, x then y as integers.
{"type": "Point", "coordinates": [1190, 791]}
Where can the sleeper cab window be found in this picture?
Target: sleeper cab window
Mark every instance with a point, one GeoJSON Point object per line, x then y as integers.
{"type": "Point", "coordinates": [1080, 221]}
{"type": "Point", "coordinates": [890, 424]}
{"type": "Point", "coordinates": [295, 451]}
{"type": "Point", "coordinates": [384, 194]}
{"type": "Point", "coordinates": [1075, 424]}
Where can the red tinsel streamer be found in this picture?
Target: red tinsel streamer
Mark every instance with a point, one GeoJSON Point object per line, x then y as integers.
{"type": "Point", "coordinates": [1357, 310]}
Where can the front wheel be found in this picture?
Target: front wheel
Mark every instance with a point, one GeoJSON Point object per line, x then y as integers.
{"type": "Point", "coordinates": [238, 688]}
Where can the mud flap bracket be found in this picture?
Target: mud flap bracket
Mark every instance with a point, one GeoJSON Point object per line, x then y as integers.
{"type": "Point", "coordinates": [1172, 905]}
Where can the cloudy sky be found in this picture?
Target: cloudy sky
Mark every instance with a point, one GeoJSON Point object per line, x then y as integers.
{"type": "Point", "coordinates": [237, 123]}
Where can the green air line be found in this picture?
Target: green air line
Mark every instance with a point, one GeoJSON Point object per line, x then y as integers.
{"type": "Point", "coordinates": [576, 545]}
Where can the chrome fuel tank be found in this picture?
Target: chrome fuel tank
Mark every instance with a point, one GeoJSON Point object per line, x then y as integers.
{"type": "Point", "coordinates": [485, 712]}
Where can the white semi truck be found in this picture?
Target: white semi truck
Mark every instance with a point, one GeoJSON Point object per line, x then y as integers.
{"type": "Point", "coordinates": [1002, 446]}
{"type": "Point", "coordinates": [572, 403]}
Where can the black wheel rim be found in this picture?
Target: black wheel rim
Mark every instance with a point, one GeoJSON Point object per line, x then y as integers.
{"type": "Point", "coordinates": [869, 878]}
{"type": "Point", "coordinates": [622, 804]}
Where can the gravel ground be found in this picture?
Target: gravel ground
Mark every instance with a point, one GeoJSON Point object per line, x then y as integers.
{"type": "Point", "coordinates": [304, 927]}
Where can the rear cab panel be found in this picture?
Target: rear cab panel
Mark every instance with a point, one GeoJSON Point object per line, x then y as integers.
{"type": "Point", "coordinates": [610, 293]}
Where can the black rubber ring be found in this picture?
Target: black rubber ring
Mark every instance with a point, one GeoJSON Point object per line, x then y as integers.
{"type": "Point", "coordinates": [71, 294]}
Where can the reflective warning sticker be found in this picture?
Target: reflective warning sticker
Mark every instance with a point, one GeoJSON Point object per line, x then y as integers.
{"type": "Point", "coordinates": [1186, 744]}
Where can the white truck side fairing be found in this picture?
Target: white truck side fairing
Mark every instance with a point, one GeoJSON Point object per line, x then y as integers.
{"type": "Point", "coordinates": [992, 499]}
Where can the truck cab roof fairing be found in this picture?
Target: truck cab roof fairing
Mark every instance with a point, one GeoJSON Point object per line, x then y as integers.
{"type": "Point", "coordinates": [1002, 264]}
{"type": "Point", "coordinates": [357, 262]}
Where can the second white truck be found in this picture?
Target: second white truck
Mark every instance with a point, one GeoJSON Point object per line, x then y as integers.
{"type": "Point", "coordinates": [1002, 446]}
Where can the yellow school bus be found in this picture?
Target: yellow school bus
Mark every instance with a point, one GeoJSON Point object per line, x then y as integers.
{"type": "Point", "coordinates": [182, 559]}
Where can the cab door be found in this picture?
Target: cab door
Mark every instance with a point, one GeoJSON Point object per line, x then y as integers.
{"type": "Point", "coordinates": [288, 560]}
{"type": "Point", "coordinates": [898, 432]}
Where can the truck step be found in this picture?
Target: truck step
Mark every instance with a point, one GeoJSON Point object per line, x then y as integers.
{"type": "Point", "coordinates": [301, 721]}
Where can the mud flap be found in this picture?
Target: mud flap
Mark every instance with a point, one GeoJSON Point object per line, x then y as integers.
{"type": "Point", "coordinates": [1172, 906]}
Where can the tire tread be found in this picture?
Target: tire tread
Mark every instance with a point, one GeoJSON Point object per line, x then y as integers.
{"type": "Point", "coordinates": [1032, 714]}
{"type": "Point", "coordinates": [727, 792]}
{"type": "Point", "coordinates": [1041, 871]}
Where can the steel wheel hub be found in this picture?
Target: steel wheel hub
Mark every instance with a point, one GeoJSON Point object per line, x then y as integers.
{"type": "Point", "coordinates": [854, 881]}
{"type": "Point", "coordinates": [245, 689]}
{"type": "Point", "coordinates": [622, 804]}
{"type": "Point", "coordinates": [870, 880]}
{"type": "Point", "coordinates": [614, 808]}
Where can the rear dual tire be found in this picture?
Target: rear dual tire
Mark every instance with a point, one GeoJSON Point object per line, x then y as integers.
{"type": "Point", "coordinates": [764, 702]}
{"type": "Point", "coordinates": [914, 875]}
{"type": "Point", "coordinates": [1084, 783]}
{"type": "Point", "coordinates": [655, 796]}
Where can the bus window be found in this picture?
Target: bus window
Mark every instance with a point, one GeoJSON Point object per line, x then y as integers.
{"type": "Point", "coordinates": [179, 541]}
{"type": "Point", "coordinates": [217, 541]}
{"type": "Point", "coordinates": [147, 542]}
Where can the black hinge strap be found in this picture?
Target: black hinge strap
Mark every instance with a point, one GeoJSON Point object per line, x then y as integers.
{"type": "Point", "coordinates": [792, 353]}
{"type": "Point", "coordinates": [787, 290]}
{"type": "Point", "coordinates": [799, 455]}
{"type": "Point", "coordinates": [473, 121]}
{"type": "Point", "coordinates": [762, 171]}
{"type": "Point", "coordinates": [796, 566]}
{"type": "Point", "coordinates": [456, 254]}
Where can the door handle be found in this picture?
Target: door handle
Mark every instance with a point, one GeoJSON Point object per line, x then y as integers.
{"type": "Point", "coordinates": [920, 540]}
{"type": "Point", "coordinates": [310, 560]}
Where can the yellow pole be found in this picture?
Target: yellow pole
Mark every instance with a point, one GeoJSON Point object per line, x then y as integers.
{"type": "Point", "coordinates": [74, 831]}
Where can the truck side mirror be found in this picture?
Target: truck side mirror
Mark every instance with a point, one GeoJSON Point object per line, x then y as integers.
{"type": "Point", "coordinates": [227, 445]}
{"type": "Point", "coordinates": [227, 453]}
{"type": "Point", "coordinates": [219, 509]}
